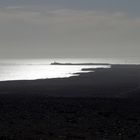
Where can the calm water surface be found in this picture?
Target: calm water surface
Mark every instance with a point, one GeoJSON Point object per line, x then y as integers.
{"type": "Point", "coordinates": [31, 69]}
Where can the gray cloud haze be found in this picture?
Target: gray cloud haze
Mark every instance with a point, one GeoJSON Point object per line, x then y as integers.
{"type": "Point", "coordinates": [38, 31]}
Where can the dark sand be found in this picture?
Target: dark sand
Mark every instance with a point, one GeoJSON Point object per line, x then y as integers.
{"type": "Point", "coordinates": [102, 105]}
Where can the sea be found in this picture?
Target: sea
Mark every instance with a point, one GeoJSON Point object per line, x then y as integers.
{"type": "Point", "coordinates": [32, 69]}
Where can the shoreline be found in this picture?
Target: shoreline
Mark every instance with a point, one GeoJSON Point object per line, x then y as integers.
{"type": "Point", "coordinates": [103, 82]}
{"type": "Point", "coordinates": [104, 104]}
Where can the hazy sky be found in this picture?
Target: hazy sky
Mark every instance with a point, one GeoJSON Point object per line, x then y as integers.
{"type": "Point", "coordinates": [69, 28]}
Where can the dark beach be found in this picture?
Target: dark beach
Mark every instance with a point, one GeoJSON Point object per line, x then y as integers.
{"type": "Point", "coordinates": [104, 104]}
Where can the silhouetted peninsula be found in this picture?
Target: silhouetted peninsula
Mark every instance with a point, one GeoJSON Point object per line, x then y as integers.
{"type": "Point", "coordinates": [57, 63]}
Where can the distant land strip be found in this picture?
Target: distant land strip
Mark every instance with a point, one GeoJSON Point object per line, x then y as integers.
{"type": "Point", "coordinates": [57, 63]}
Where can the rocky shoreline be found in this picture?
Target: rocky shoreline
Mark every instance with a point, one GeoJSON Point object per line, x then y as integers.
{"type": "Point", "coordinates": [104, 104]}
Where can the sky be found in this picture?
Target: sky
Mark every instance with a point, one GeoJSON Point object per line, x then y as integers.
{"type": "Point", "coordinates": [69, 28]}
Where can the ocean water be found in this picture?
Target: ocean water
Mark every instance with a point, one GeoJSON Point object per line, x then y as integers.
{"type": "Point", "coordinates": [31, 69]}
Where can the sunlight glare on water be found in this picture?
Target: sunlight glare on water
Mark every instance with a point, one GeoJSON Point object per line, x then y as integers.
{"type": "Point", "coordinates": [37, 69]}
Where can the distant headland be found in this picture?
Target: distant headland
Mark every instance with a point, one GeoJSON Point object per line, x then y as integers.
{"type": "Point", "coordinates": [58, 63]}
